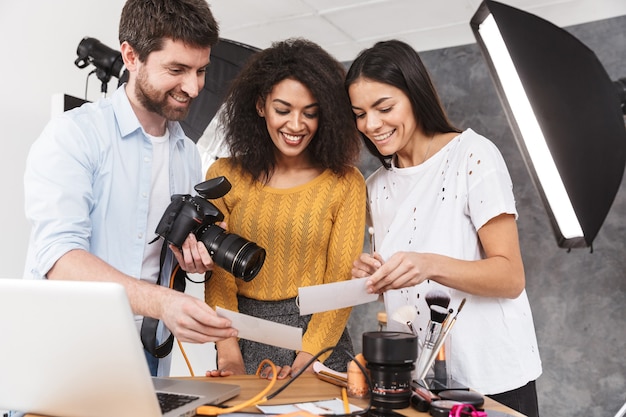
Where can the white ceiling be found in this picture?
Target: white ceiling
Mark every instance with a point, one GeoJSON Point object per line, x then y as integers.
{"type": "Point", "coordinates": [345, 27]}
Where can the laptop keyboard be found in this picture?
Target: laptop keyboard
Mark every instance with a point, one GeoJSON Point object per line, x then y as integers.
{"type": "Point", "coordinates": [169, 401]}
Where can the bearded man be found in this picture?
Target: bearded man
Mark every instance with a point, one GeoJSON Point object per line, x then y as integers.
{"type": "Point", "coordinates": [99, 177]}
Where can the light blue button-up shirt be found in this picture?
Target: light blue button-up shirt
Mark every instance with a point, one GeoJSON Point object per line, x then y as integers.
{"type": "Point", "coordinates": [87, 185]}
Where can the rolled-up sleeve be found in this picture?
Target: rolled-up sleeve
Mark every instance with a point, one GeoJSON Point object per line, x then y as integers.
{"type": "Point", "coordinates": [58, 193]}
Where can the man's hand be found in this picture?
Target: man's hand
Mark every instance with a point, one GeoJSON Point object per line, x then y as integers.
{"type": "Point", "coordinates": [193, 257]}
{"type": "Point", "coordinates": [188, 318]}
{"type": "Point", "coordinates": [192, 320]}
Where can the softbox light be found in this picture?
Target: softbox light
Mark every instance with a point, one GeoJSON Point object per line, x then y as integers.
{"type": "Point", "coordinates": [565, 114]}
{"type": "Point", "coordinates": [227, 59]}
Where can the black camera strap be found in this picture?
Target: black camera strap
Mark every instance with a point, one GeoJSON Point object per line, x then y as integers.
{"type": "Point", "coordinates": [149, 325]}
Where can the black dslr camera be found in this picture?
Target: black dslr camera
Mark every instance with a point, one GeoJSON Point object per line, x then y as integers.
{"type": "Point", "coordinates": [187, 214]}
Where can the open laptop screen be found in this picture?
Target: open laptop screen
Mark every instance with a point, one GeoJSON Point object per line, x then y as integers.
{"type": "Point", "coordinates": [72, 349]}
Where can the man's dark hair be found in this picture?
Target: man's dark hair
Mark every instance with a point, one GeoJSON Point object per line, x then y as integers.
{"type": "Point", "coordinates": [144, 24]}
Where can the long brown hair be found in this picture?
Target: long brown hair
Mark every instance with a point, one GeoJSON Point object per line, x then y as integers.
{"type": "Point", "coordinates": [397, 64]}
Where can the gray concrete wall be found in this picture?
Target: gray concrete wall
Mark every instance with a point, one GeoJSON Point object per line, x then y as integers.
{"type": "Point", "coordinates": [578, 298]}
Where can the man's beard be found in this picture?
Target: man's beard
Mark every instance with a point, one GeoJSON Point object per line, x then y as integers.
{"type": "Point", "coordinates": [156, 101]}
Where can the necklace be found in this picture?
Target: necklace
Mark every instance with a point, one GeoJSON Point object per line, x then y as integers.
{"type": "Point", "coordinates": [428, 148]}
{"type": "Point", "coordinates": [430, 142]}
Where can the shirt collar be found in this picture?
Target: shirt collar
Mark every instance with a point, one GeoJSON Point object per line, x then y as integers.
{"type": "Point", "coordinates": [128, 122]}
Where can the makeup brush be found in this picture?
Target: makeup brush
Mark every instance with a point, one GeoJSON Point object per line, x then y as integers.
{"type": "Point", "coordinates": [437, 297]}
{"type": "Point", "coordinates": [439, 344]}
{"type": "Point", "coordinates": [370, 230]}
{"type": "Point", "coordinates": [440, 368]}
{"type": "Point", "coordinates": [405, 315]}
{"type": "Point", "coordinates": [437, 315]}
{"type": "Point", "coordinates": [441, 298]}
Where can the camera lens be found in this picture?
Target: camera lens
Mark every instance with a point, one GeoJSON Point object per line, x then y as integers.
{"type": "Point", "coordinates": [390, 359]}
{"type": "Point", "coordinates": [235, 254]}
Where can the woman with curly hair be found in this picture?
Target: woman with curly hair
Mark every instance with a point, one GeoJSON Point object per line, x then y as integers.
{"type": "Point", "coordinates": [295, 192]}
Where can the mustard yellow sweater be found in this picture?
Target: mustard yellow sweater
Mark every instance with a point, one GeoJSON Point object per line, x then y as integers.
{"type": "Point", "coordinates": [312, 233]}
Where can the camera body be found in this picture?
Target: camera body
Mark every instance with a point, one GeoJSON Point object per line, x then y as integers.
{"type": "Point", "coordinates": [195, 214]}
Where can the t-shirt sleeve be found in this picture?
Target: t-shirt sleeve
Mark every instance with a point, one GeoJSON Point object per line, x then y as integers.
{"type": "Point", "coordinates": [490, 189]}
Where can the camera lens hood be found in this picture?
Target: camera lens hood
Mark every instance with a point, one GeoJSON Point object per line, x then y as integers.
{"type": "Point", "coordinates": [389, 348]}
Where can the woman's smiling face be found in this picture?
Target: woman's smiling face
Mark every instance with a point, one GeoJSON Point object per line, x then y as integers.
{"type": "Point", "coordinates": [384, 114]}
{"type": "Point", "coordinates": [292, 115]}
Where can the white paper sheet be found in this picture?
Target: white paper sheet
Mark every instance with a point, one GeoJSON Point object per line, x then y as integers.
{"type": "Point", "coordinates": [333, 406]}
{"type": "Point", "coordinates": [325, 297]}
{"type": "Point", "coordinates": [263, 331]}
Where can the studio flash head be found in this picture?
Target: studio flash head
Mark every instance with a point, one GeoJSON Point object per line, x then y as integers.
{"type": "Point", "coordinates": [108, 61]}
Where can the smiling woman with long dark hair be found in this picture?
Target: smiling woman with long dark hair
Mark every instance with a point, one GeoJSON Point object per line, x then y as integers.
{"type": "Point", "coordinates": [444, 219]}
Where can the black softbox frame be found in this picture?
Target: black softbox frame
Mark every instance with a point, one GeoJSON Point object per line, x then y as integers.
{"type": "Point", "coordinates": [227, 59]}
{"type": "Point", "coordinates": [577, 106]}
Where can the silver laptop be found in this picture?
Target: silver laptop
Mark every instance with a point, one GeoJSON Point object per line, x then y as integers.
{"type": "Point", "coordinates": [72, 349]}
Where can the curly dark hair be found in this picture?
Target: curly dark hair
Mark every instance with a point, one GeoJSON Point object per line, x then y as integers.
{"type": "Point", "coordinates": [144, 24]}
{"type": "Point", "coordinates": [336, 143]}
{"type": "Point", "coordinates": [396, 63]}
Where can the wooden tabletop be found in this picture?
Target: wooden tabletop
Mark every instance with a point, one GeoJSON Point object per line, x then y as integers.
{"type": "Point", "coordinates": [308, 387]}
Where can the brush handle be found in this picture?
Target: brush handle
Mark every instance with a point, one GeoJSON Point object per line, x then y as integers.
{"type": "Point", "coordinates": [434, 330]}
{"type": "Point", "coordinates": [411, 328]}
{"type": "Point", "coordinates": [442, 338]}
{"type": "Point", "coordinates": [422, 361]}
{"type": "Point", "coordinates": [433, 352]}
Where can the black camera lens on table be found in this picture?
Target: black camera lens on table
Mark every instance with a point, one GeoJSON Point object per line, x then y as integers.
{"type": "Point", "coordinates": [390, 359]}
{"type": "Point", "coordinates": [187, 214]}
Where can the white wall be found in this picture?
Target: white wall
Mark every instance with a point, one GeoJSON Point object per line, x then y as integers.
{"type": "Point", "coordinates": [37, 53]}
{"type": "Point", "coordinates": [39, 40]}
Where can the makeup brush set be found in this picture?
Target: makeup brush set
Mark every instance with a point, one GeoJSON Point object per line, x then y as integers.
{"type": "Point", "coordinates": [432, 350]}
{"type": "Point", "coordinates": [436, 392]}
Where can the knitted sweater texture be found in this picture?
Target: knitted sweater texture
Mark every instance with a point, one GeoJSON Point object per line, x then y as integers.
{"type": "Point", "coordinates": [312, 233]}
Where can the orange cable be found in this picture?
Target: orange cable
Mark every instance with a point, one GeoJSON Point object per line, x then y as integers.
{"type": "Point", "coordinates": [260, 398]}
